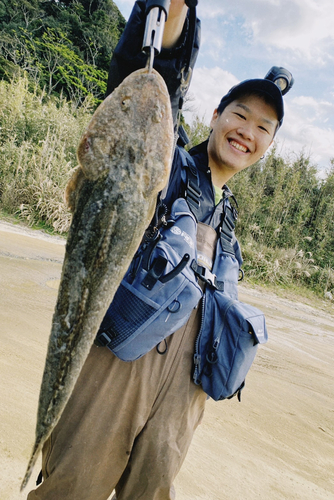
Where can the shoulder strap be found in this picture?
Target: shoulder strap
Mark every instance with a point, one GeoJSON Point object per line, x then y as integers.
{"type": "Point", "coordinates": [189, 175]}
{"type": "Point", "coordinates": [228, 218]}
{"type": "Point", "coordinates": [192, 193]}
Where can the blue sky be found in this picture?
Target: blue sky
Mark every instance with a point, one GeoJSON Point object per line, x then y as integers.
{"type": "Point", "coordinates": [243, 38]}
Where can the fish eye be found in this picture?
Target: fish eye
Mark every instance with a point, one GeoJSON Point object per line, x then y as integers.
{"type": "Point", "coordinates": [125, 104]}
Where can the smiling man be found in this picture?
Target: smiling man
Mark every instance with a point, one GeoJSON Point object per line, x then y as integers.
{"type": "Point", "coordinates": [128, 425]}
{"type": "Point", "coordinates": [243, 127]}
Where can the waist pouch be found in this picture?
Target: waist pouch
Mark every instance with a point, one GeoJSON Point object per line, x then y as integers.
{"type": "Point", "coordinates": [158, 292]}
{"type": "Point", "coordinates": [229, 335]}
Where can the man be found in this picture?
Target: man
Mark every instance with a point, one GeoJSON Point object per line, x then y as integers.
{"type": "Point", "coordinates": [128, 426]}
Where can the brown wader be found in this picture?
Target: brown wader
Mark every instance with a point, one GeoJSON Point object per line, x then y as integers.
{"type": "Point", "coordinates": [127, 426]}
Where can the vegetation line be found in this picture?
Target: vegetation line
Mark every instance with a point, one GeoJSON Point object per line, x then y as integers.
{"type": "Point", "coordinates": [54, 58]}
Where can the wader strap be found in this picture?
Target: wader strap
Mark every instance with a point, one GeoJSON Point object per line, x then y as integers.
{"type": "Point", "coordinates": [192, 191]}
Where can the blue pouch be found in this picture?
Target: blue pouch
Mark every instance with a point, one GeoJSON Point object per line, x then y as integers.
{"type": "Point", "coordinates": [227, 344]}
{"type": "Point", "coordinates": [230, 330]}
{"type": "Point", "coordinates": [158, 292]}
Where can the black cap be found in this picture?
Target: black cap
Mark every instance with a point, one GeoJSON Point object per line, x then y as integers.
{"type": "Point", "coordinates": [261, 86]}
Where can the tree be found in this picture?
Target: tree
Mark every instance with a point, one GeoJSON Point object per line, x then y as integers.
{"type": "Point", "coordinates": [65, 45]}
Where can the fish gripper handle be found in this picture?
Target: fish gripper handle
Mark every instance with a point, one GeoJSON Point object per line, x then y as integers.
{"type": "Point", "coordinates": [157, 13]}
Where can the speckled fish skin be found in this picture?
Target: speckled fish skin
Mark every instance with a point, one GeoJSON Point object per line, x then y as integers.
{"type": "Point", "coordinates": [125, 157]}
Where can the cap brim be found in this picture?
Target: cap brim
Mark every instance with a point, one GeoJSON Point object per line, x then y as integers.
{"type": "Point", "coordinates": [264, 87]}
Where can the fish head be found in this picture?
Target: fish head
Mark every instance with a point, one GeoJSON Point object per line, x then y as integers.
{"type": "Point", "coordinates": [132, 125]}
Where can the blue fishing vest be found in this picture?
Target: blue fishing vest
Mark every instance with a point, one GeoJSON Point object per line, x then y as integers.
{"type": "Point", "coordinates": [162, 287]}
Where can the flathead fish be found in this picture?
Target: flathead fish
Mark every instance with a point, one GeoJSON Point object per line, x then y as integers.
{"type": "Point", "coordinates": [124, 160]}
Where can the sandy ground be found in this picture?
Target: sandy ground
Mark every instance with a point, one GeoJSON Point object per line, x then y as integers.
{"type": "Point", "coordinates": [278, 443]}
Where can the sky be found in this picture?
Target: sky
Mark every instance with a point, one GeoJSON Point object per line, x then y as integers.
{"type": "Point", "coordinates": [243, 39]}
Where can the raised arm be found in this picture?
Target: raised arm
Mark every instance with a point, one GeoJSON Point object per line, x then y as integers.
{"type": "Point", "coordinates": [174, 25]}
{"type": "Point", "coordinates": [179, 52]}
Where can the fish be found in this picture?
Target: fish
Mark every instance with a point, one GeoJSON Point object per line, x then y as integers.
{"type": "Point", "coordinates": [124, 159]}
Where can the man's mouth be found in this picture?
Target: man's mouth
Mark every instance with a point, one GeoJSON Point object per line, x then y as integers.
{"type": "Point", "coordinates": [239, 146]}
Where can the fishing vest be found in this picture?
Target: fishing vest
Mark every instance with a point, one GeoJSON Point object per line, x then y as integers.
{"type": "Point", "coordinates": [174, 271]}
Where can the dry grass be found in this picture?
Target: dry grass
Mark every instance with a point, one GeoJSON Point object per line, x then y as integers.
{"type": "Point", "coordinates": [38, 142]}
{"type": "Point", "coordinates": [278, 266]}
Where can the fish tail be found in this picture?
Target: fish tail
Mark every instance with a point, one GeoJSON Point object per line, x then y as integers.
{"type": "Point", "coordinates": [36, 450]}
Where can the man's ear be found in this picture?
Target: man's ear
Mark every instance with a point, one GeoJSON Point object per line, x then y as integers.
{"type": "Point", "coordinates": [214, 118]}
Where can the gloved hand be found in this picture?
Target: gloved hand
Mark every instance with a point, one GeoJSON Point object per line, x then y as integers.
{"type": "Point", "coordinates": [191, 3]}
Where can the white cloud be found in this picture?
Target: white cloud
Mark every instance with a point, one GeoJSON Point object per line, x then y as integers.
{"type": "Point", "coordinates": [311, 140]}
{"type": "Point", "coordinates": [207, 88]}
{"type": "Point", "coordinates": [304, 26]}
{"type": "Point", "coordinates": [301, 131]}
{"type": "Point", "coordinates": [316, 109]}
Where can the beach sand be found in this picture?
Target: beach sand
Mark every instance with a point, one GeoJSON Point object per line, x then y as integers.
{"type": "Point", "coordinates": [278, 443]}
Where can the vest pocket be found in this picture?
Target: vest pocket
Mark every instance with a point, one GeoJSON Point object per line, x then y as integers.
{"type": "Point", "coordinates": [158, 292]}
{"type": "Point", "coordinates": [227, 344]}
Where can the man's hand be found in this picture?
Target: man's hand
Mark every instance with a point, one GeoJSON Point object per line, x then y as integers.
{"type": "Point", "coordinates": [174, 24]}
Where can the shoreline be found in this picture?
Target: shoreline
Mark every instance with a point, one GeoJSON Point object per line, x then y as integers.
{"type": "Point", "coordinates": [277, 444]}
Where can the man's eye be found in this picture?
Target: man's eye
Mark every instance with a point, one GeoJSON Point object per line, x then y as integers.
{"type": "Point", "coordinates": [264, 129]}
{"type": "Point", "coordinates": [241, 116]}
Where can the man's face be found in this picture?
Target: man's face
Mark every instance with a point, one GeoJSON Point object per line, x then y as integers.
{"type": "Point", "coordinates": [240, 135]}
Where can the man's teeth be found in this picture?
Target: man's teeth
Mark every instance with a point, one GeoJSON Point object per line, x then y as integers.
{"type": "Point", "coordinates": [239, 146]}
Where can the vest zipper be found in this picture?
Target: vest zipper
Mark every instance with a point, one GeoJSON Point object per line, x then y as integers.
{"type": "Point", "coordinates": [216, 341]}
{"type": "Point", "coordinates": [197, 357]}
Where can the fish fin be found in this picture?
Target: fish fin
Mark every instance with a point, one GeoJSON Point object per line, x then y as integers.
{"type": "Point", "coordinates": [73, 187]}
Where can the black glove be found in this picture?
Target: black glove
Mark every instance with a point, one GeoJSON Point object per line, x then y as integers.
{"type": "Point", "coordinates": [191, 3]}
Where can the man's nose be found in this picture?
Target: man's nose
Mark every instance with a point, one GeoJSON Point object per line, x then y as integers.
{"type": "Point", "coordinates": [246, 131]}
